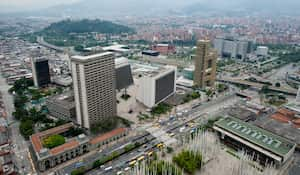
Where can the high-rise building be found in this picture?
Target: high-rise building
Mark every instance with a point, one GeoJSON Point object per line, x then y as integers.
{"type": "Point", "coordinates": [205, 64]}
{"type": "Point", "coordinates": [40, 72]}
{"type": "Point", "coordinates": [233, 47]}
{"type": "Point", "coordinates": [156, 85]}
{"type": "Point", "coordinates": [94, 82]}
{"type": "Point", "coordinates": [298, 96]}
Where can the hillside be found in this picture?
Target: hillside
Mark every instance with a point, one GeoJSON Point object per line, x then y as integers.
{"type": "Point", "coordinates": [80, 33]}
{"type": "Point", "coordinates": [86, 26]}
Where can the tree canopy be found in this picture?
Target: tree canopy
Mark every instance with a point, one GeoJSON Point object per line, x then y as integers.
{"type": "Point", "coordinates": [189, 161]}
{"type": "Point", "coordinates": [87, 26]}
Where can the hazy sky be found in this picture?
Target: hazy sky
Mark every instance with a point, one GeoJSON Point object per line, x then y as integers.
{"type": "Point", "coordinates": [24, 5]}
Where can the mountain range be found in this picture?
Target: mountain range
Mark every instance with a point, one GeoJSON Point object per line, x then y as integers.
{"type": "Point", "coordinates": [120, 8]}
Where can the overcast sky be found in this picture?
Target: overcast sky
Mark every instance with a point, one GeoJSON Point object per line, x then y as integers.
{"type": "Point", "coordinates": [25, 5]}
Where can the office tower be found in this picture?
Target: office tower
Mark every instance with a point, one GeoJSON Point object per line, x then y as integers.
{"type": "Point", "coordinates": [156, 85]}
{"type": "Point", "coordinates": [40, 72]}
{"type": "Point", "coordinates": [205, 65]}
{"type": "Point", "coordinates": [94, 82]}
{"type": "Point", "coordinates": [233, 47]}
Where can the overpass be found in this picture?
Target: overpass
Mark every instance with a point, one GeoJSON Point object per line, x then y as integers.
{"type": "Point", "coordinates": [42, 42]}
{"type": "Point", "coordinates": [258, 85]}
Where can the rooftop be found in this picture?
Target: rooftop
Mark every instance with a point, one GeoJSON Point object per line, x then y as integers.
{"type": "Point", "coordinates": [36, 138]}
{"type": "Point", "coordinates": [65, 100]}
{"type": "Point", "coordinates": [81, 58]}
{"type": "Point", "coordinates": [150, 70]}
{"type": "Point", "coordinates": [256, 135]}
{"type": "Point", "coordinates": [283, 129]}
{"type": "Point", "coordinates": [107, 135]}
{"type": "Point", "coordinates": [69, 145]}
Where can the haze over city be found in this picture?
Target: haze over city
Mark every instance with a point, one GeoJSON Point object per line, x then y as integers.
{"type": "Point", "coordinates": [139, 87]}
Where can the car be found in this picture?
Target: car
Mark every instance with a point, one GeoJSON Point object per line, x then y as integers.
{"type": "Point", "coordinates": [171, 134]}
{"type": "Point", "coordinates": [181, 129]}
{"type": "Point", "coordinates": [108, 168]}
{"type": "Point", "coordinates": [127, 169]}
{"type": "Point", "coordinates": [119, 172]}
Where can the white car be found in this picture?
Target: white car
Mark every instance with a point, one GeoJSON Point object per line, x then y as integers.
{"type": "Point", "coordinates": [119, 172]}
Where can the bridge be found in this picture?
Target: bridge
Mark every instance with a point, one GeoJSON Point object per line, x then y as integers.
{"type": "Point", "coordinates": [259, 85]}
{"type": "Point", "coordinates": [42, 42]}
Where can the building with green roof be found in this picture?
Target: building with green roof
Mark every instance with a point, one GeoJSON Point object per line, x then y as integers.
{"type": "Point", "coordinates": [267, 147]}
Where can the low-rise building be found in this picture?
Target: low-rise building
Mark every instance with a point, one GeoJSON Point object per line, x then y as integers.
{"type": "Point", "coordinates": [164, 49]}
{"type": "Point", "coordinates": [76, 146]}
{"type": "Point", "coordinates": [62, 106]}
{"type": "Point", "coordinates": [266, 147]}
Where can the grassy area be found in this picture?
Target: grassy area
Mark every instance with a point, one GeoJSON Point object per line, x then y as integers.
{"type": "Point", "coordinates": [53, 141]}
{"type": "Point", "coordinates": [161, 108]}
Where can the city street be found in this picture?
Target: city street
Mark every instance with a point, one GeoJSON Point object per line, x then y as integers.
{"type": "Point", "coordinates": [204, 112]}
{"type": "Point", "coordinates": [20, 146]}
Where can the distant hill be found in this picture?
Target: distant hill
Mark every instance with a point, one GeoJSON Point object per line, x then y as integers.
{"type": "Point", "coordinates": [86, 26]}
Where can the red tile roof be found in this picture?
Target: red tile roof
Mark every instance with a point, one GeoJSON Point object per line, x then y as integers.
{"type": "Point", "coordinates": [36, 138]}
{"type": "Point", "coordinates": [36, 142]}
{"type": "Point", "coordinates": [281, 118]}
{"type": "Point", "coordinates": [67, 146]}
{"type": "Point", "coordinates": [286, 112]}
{"type": "Point", "coordinates": [107, 135]}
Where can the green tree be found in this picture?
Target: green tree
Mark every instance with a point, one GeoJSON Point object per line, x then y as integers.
{"type": "Point", "coordinates": [26, 128]}
{"type": "Point", "coordinates": [79, 171]}
{"type": "Point", "coordinates": [189, 161]}
{"type": "Point", "coordinates": [169, 149]}
{"type": "Point", "coordinates": [20, 114]}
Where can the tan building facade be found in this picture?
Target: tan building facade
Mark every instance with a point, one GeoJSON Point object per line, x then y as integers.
{"type": "Point", "coordinates": [94, 83]}
{"type": "Point", "coordinates": [205, 65]}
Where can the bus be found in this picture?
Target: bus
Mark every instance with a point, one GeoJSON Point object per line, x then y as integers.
{"type": "Point", "coordinates": [141, 158]}
{"type": "Point", "coordinates": [132, 163]}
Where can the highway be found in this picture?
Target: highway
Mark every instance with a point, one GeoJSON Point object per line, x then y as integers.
{"type": "Point", "coordinates": [42, 42]}
{"type": "Point", "coordinates": [259, 85]}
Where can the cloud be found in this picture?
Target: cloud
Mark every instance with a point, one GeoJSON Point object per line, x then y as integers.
{"type": "Point", "coordinates": [25, 5]}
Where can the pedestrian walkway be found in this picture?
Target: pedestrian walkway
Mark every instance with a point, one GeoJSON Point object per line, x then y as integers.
{"type": "Point", "coordinates": [161, 135]}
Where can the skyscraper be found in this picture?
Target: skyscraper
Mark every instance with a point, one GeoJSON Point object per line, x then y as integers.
{"type": "Point", "coordinates": [205, 65]}
{"type": "Point", "coordinates": [94, 87]}
{"type": "Point", "coordinates": [40, 72]}
{"type": "Point", "coordinates": [298, 96]}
